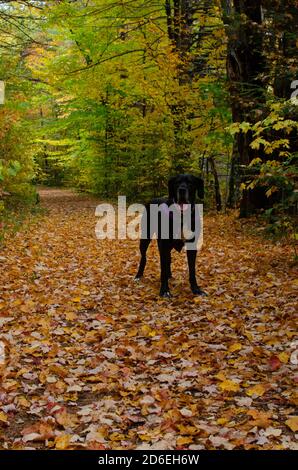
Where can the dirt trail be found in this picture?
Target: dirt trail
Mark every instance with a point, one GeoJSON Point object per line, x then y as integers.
{"type": "Point", "coordinates": [95, 361]}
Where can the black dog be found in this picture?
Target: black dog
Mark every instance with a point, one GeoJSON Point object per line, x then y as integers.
{"type": "Point", "coordinates": [182, 193]}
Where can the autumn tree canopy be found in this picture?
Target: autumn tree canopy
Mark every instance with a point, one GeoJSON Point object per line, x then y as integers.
{"type": "Point", "coordinates": [113, 97]}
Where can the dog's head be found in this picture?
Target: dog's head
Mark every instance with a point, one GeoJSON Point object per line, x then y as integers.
{"type": "Point", "coordinates": [183, 189]}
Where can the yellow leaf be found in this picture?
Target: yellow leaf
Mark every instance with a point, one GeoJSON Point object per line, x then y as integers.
{"type": "Point", "coordinates": [220, 376]}
{"type": "Point", "coordinates": [197, 300]}
{"type": "Point", "coordinates": [152, 333]}
{"type": "Point", "coordinates": [116, 436]}
{"type": "Point", "coordinates": [3, 417]}
{"type": "Point", "coordinates": [58, 370]}
{"type": "Point", "coordinates": [283, 357]}
{"type": "Point", "coordinates": [187, 430]}
{"type": "Point", "coordinates": [271, 190]}
{"type": "Point", "coordinates": [205, 370]}
{"type": "Point", "coordinates": [22, 401]}
{"type": "Point", "coordinates": [292, 423]}
{"type": "Point", "coordinates": [235, 347]}
{"type": "Point", "coordinates": [70, 316]}
{"type": "Point", "coordinates": [257, 390]}
{"type": "Point", "coordinates": [229, 386]}
{"type": "Point", "coordinates": [132, 332]}
{"type": "Point", "coordinates": [93, 378]}
{"type": "Point", "coordinates": [62, 442]}
{"type": "Point", "coordinates": [76, 299]}
{"type": "Point", "coordinates": [248, 335]}
{"type": "Point", "coordinates": [181, 441]}
{"type": "Point", "coordinates": [145, 437]}
{"type": "Point", "coordinates": [146, 330]}
{"type": "Point", "coordinates": [222, 421]}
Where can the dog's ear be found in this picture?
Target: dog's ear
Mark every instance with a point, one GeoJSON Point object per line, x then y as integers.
{"type": "Point", "coordinates": [171, 186]}
{"type": "Point", "coordinates": [200, 187]}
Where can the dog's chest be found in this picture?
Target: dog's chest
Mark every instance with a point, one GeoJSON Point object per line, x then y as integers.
{"type": "Point", "coordinates": [177, 245]}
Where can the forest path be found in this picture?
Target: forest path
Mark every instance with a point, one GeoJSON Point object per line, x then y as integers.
{"type": "Point", "coordinates": [94, 360]}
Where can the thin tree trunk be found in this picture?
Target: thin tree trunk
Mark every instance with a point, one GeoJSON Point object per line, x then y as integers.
{"type": "Point", "coordinates": [216, 184]}
{"type": "Point", "coordinates": [180, 16]}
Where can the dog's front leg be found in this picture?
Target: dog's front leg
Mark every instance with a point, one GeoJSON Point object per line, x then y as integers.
{"type": "Point", "coordinates": [165, 256]}
{"type": "Point", "coordinates": [169, 274]}
{"type": "Point", "coordinates": [191, 258]}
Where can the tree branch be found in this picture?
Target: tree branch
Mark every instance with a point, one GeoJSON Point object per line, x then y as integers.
{"type": "Point", "coordinates": [94, 64]}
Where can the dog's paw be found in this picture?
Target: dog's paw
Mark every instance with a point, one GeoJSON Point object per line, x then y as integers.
{"type": "Point", "coordinates": [199, 291]}
{"type": "Point", "coordinates": [137, 279]}
{"type": "Point", "coordinates": [165, 294]}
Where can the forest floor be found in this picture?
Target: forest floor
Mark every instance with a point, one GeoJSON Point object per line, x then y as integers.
{"type": "Point", "coordinates": [94, 360]}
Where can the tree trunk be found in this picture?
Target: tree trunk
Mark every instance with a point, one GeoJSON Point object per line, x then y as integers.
{"type": "Point", "coordinates": [180, 15]}
{"type": "Point", "coordinates": [233, 190]}
{"type": "Point", "coordinates": [216, 184]}
{"type": "Point", "coordinates": [245, 66]}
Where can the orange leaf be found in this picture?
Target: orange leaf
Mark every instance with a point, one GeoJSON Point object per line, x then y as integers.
{"type": "Point", "coordinates": [62, 442]}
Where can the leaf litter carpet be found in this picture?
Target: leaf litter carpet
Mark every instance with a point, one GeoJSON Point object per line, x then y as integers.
{"type": "Point", "coordinates": [92, 360]}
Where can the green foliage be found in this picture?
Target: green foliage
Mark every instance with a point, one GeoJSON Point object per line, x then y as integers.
{"type": "Point", "coordinates": [279, 171]}
{"type": "Point", "coordinates": [114, 115]}
{"type": "Point", "coordinates": [16, 164]}
{"type": "Point", "coordinates": [275, 136]}
{"type": "Point", "coordinates": [104, 97]}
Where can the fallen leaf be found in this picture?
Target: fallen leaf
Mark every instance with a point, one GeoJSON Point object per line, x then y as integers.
{"type": "Point", "coordinates": [34, 436]}
{"type": "Point", "coordinates": [65, 419]}
{"type": "Point", "coordinates": [261, 419]}
{"type": "Point", "coordinates": [235, 347]}
{"type": "Point", "coordinates": [186, 412]}
{"type": "Point", "coordinates": [273, 432]}
{"type": "Point", "coordinates": [274, 363]}
{"type": "Point", "coordinates": [62, 442]}
{"type": "Point", "coordinates": [292, 423]}
{"type": "Point", "coordinates": [257, 390]}
{"type": "Point", "coordinates": [284, 357]}
{"type": "Point", "coordinates": [182, 441]}
{"type": "Point", "coordinates": [3, 417]}
{"type": "Point", "coordinates": [229, 386]}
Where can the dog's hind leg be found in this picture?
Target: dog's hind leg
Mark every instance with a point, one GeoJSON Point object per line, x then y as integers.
{"type": "Point", "coordinates": [144, 243]}
{"type": "Point", "coordinates": [191, 257]}
{"type": "Point", "coordinates": [164, 253]}
{"type": "Point", "coordinates": [169, 270]}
